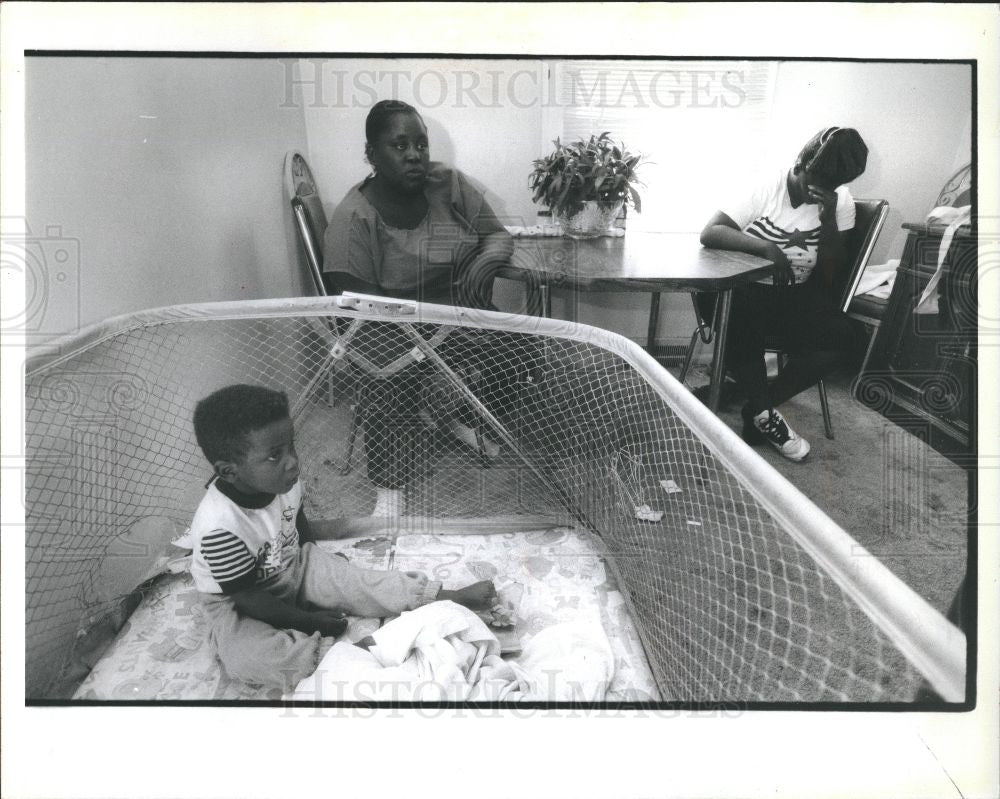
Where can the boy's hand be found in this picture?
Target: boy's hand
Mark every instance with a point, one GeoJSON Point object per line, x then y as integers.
{"type": "Point", "coordinates": [478, 596]}
{"type": "Point", "coordinates": [329, 622]}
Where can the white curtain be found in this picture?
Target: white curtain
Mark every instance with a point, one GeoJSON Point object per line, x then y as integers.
{"type": "Point", "coordinates": [700, 125]}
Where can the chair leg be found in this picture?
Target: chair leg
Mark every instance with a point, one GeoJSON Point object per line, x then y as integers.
{"type": "Point", "coordinates": [704, 331]}
{"type": "Point", "coordinates": [484, 458]}
{"type": "Point", "coordinates": [688, 356]}
{"type": "Point", "coordinates": [873, 330]}
{"type": "Point", "coordinates": [825, 406]}
{"type": "Point", "coordinates": [331, 388]}
{"type": "Point", "coordinates": [352, 436]}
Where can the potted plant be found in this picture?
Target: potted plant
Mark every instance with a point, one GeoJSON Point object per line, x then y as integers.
{"type": "Point", "coordinates": [586, 183]}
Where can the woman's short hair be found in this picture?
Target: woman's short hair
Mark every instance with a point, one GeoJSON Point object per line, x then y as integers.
{"type": "Point", "coordinates": [834, 156]}
{"type": "Point", "coordinates": [223, 419]}
{"type": "Point", "coordinates": [380, 114]}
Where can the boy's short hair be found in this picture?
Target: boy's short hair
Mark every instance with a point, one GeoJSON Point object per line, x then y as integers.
{"type": "Point", "coordinates": [834, 156]}
{"type": "Point", "coordinates": [223, 419]}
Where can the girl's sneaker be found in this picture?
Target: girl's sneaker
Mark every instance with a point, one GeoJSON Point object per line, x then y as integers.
{"type": "Point", "coordinates": [770, 426]}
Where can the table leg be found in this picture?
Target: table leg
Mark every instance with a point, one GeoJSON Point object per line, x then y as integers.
{"type": "Point", "coordinates": [723, 305]}
{"type": "Point", "coordinates": [654, 320]}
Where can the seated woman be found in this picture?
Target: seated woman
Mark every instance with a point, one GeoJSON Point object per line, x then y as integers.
{"type": "Point", "coordinates": [415, 230]}
{"type": "Point", "coordinates": [798, 219]}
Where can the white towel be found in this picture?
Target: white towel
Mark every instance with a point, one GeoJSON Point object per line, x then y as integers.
{"type": "Point", "coordinates": [954, 218]}
{"type": "Point", "coordinates": [877, 279]}
{"type": "Point", "coordinates": [442, 652]}
{"type": "Point", "coordinates": [570, 662]}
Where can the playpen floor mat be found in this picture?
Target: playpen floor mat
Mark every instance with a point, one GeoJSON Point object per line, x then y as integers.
{"type": "Point", "coordinates": [550, 577]}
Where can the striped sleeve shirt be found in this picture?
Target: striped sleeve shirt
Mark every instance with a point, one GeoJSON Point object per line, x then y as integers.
{"type": "Point", "coordinates": [240, 541]}
{"type": "Point", "coordinates": [229, 560]}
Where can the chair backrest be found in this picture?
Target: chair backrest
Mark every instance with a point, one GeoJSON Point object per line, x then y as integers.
{"type": "Point", "coordinates": [307, 209]}
{"type": "Point", "coordinates": [869, 217]}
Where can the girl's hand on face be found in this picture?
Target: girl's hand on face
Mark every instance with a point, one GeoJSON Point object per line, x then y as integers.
{"type": "Point", "coordinates": [827, 202]}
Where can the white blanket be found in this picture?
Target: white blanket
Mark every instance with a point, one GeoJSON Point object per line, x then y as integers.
{"type": "Point", "coordinates": [443, 652]}
{"type": "Point", "coordinates": [877, 279]}
{"type": "Point", "coordinates": [953, 218]}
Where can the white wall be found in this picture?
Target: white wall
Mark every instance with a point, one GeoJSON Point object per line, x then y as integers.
{"type": "Point", "coordinates": [492, 118]}
{"type": "Point", "coordinates": [915, 118]}
{"type": "Point", "coordinates": [482, 116]}
{"type": "Point", "coordinates": [168, 173]}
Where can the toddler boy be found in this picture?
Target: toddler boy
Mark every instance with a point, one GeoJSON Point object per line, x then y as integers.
{"type": "Point", "coordinates": [269, 598]}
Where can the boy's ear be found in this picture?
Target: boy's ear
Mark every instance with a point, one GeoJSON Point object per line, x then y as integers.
{"type": "Point", "coordinates": [226, 470]}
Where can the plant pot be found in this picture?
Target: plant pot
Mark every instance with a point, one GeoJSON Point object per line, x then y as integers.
{"type": "Point", "coordinates": [591, 222]}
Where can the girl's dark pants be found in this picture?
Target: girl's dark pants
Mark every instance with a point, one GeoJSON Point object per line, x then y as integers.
{"type": "Point", "coordinates": [801, 320]}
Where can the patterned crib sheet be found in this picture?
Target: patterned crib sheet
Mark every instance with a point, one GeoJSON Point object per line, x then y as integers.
{"type": "Point", "coordinates": [162, 652]}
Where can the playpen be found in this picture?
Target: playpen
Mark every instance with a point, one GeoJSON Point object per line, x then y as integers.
{"type": "Point", "coordinates": [616, 497]}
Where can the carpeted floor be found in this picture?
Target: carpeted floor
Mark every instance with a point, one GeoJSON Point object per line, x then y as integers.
{"type": "Point", "coordinates": [901, 500]}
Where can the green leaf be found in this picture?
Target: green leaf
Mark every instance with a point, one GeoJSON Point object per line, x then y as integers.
{"type": "Point", "coordinates": [591, 168]}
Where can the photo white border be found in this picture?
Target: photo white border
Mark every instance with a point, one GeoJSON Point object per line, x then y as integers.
{"type": "Point", "coordinates": [246, 752]}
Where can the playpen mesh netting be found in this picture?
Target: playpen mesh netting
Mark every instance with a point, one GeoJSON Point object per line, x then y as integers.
{"type": "Point", "coordinates": [732, 601]}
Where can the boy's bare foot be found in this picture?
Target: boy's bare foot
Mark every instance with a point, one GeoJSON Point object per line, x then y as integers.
{"type": "Point", "coordinates": [478, 596]}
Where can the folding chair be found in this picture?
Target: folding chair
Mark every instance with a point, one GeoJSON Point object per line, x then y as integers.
{"type": "Point", "coordinates": [307, 209]}
{"type": "Point", "coordinates": [867, 310]}
{"type": "Point", "coordinates": [870, 216]}
{"type": "Point", "coordinates": [310, 224]}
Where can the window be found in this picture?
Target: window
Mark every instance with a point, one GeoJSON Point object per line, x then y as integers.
{"type": "Point", "coordinates": [695, 122]}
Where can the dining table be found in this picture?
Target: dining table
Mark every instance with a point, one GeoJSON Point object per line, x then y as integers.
{"type": "Point", "coordinates": [640, 261]}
